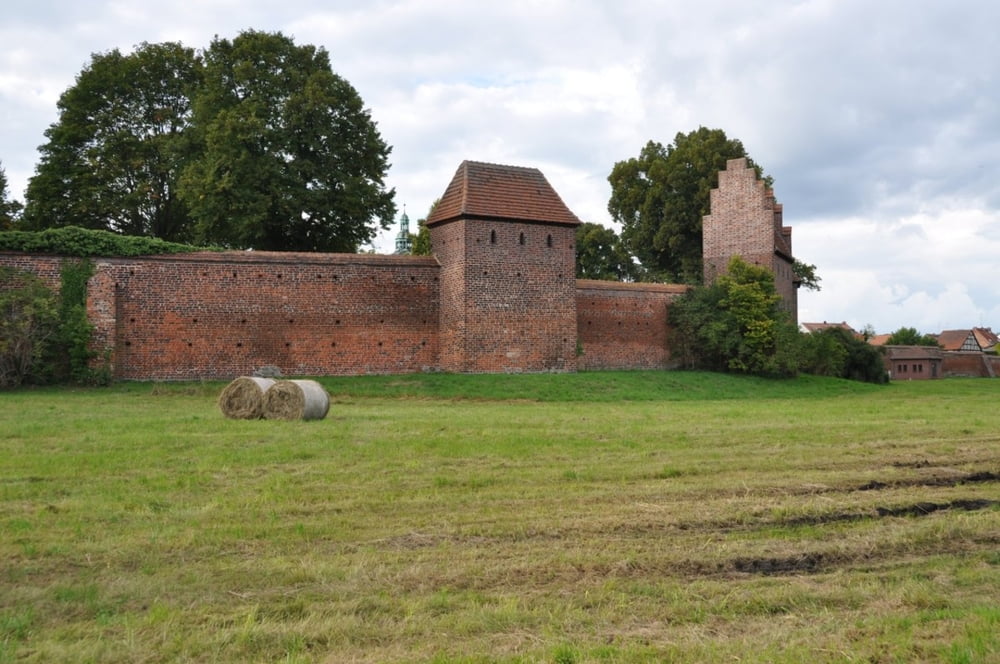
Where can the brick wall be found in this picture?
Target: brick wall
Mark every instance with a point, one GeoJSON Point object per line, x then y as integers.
{"type": "Point", "coordinates": [623, 326]}
{"type": "Point", "coordinates": [958, 363]}
{"type": "Point", "coordinates": [220, 315]}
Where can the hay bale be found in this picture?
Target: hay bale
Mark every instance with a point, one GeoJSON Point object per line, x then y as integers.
{"type": "Point", "coordinates": [243, 399]}
{"type": "Point", "coordinates": [296, 400]}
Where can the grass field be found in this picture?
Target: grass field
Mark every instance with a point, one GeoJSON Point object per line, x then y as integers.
{"type": "Point", "coordinates": [595, 517]}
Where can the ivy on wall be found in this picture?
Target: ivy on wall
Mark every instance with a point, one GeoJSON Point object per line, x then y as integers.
{"type": "Point", "coordinates": [83, 243]}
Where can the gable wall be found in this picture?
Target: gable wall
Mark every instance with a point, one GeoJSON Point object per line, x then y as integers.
{"type": "Point", "coordinates": [746, 221]}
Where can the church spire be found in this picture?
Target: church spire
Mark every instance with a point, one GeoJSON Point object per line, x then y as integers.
{"type": "Point", "coordinates": [403, 243]}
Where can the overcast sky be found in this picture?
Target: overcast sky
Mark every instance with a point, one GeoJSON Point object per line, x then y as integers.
{"type": "Point", "coordinates": [879, 121]}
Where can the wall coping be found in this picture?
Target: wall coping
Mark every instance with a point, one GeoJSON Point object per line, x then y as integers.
{"type": "Point", "coordinates": [268, 257]}
{"type": "Point", "coordinates": [597, 284]}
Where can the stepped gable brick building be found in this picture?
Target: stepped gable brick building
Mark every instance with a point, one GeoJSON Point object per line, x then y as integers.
{"type": "Point", "coordinates": [505, 242]}
{"type": "Point", "coordinates": [746, 221]}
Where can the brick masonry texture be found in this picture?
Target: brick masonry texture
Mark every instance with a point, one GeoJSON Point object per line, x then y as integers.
{"type": "Point", "coordinates": [623, 326]}
{"type": "Point", "coordinates": [746, 221]}
{"type": "Point", "coordinates": [498, 295]}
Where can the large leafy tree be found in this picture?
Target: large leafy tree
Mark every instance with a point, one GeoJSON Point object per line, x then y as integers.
{"type": "Point", "coordinates": [660, 197]}
{"type": "Point", "coordinates": [909, 336]}
{"type": "Point", "coordinates": [735, 324]}
{"type": "Point", "coordinates": [600, 254]}
{"type": "Point", "coordinates": [113, 158]}
{"type": "Point", "coordinates": [9, 209]}
{"type": "Point", "coordinates": [291, 159]}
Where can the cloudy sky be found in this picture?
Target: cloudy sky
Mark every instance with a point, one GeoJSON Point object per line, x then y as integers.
{"type": "Point", "coordinates": [879, 121]}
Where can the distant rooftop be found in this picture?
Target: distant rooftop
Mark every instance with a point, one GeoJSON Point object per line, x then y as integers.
{"type": "Point", "coordinates": [494, 191]}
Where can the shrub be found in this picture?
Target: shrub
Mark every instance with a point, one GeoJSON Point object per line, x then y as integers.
{"type": "Point", "coordinates": [837, 352]}
{"type": "Point", "coordinates": [83, 243]}
{"type": "Point", "coordinates": [735, 324]}
{"type": "Point", "coordinates": [29, 326]}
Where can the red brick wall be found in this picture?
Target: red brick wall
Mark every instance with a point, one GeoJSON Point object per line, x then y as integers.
{"type": "Point", "coordinates": [46, 268]}
{"type": "Point", "coordinates": [223, 315]}
{"type": "Point", "coordinates": [623, 326]}
{"type": "Point", "coordinates": [448, 244]}
{"type": "Point", "coordinates": [956, 363]}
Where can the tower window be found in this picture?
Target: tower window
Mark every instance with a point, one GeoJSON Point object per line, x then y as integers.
{"type": "Point", "coordinates": [548, 241]}
{"type": "Point", "coordinates": [520, 239]}
{"type": "Point", "coordinates": [493, 237]}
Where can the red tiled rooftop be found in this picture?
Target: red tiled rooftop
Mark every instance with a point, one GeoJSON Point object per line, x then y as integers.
{"type": "Point", "coordinates": [494, 191]}
{"type": "Point", "coordinates": [953, 339]}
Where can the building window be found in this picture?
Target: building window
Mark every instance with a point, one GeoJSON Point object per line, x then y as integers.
{"type": "Point", "coordinates": [548, 241]}
{"type": "Point", "coordinates": [493, 237]}
{"type": "Point", "coordinates": [520, 239]}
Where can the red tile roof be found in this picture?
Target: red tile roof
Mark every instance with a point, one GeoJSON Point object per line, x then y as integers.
{"type": "Point", "coordinates": [953, 339]}
{"type": "Point", "coordinates": [818, 327]}
{"type": "Point", "coordinates": [986, 337]}
{"type": "Point", "coordinates": [493, 191]}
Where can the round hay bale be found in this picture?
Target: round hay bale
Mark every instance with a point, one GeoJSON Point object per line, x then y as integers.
{"type": "Point", "coordinates": [296, 400]}
{"type": "Point", "coordinates": [243, 399]}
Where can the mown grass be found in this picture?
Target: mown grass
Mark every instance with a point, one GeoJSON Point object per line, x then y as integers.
{"type": "Point", "coordinates": [619, 517]}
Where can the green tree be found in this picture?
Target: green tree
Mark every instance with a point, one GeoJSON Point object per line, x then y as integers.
{"type": "Point", "coordinates": [806, 274]}
{"type": "Point", "coordinates": [29, 326]}
{"type": "Point", "coordinates": [660, 197]}
{"type": "Point", "coordinates": [600, 254]}
{"type": "Point", "coordinates": [291, 159]}
{"type": "Point", "coordinates": [735, 324]}
{"type": "Point", "coordinates": [421, 240]}
{"type": "Point", "coordinates": [113, 158]}
{"type": "Point", "coordinates": [837, 352]}
{"type": "Point", "coordinates": [9, 209]}
{"type": "Point", "coordinates": [909, 336]}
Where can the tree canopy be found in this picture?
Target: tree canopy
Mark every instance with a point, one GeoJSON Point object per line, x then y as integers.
{"type": "Point", "coordinates": [253, 142]}
{"type": "Point", "coordinates": [114, 156]}
{"type": "Point", "coordinates": [909, 336]}
{"type": "Point", "coordinates": [9, 209]}
{"type": "Point", "coordinates": [660, 197]}
{"type": "Point", "coordinates": [289, 159]}
{"type": "Point", "coordinates": [600, 254]}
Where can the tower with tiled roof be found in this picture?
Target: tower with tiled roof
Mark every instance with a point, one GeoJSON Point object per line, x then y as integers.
{"type": "Point", "coordinates": [505, 242]}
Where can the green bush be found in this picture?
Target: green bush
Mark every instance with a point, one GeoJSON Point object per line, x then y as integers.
{"type": "Point", "coordinates": [735, 324]}
{"type": "Point", "coordinates": [45, 337]}
{"type": "Point", "coordinates": [839, 353]}
{"type": "Point", "coordinates": [83, 243]}
{"type": "Point", "coordinates": [29, 326]}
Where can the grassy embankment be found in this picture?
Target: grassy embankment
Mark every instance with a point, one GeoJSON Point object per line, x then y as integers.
{"type": "Point", "coordinates": [618, 517]}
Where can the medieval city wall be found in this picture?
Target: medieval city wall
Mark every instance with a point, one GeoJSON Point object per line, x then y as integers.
{"type": "Point", "coordinates": [221, 315]}
{"type": "Point", "coordinates": [958, 363]}
{"type": "Point", "coordinates": [623, 326]}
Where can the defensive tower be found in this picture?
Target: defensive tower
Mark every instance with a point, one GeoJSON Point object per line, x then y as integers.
{"type": "Point", "coordinates": [505, 242]}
